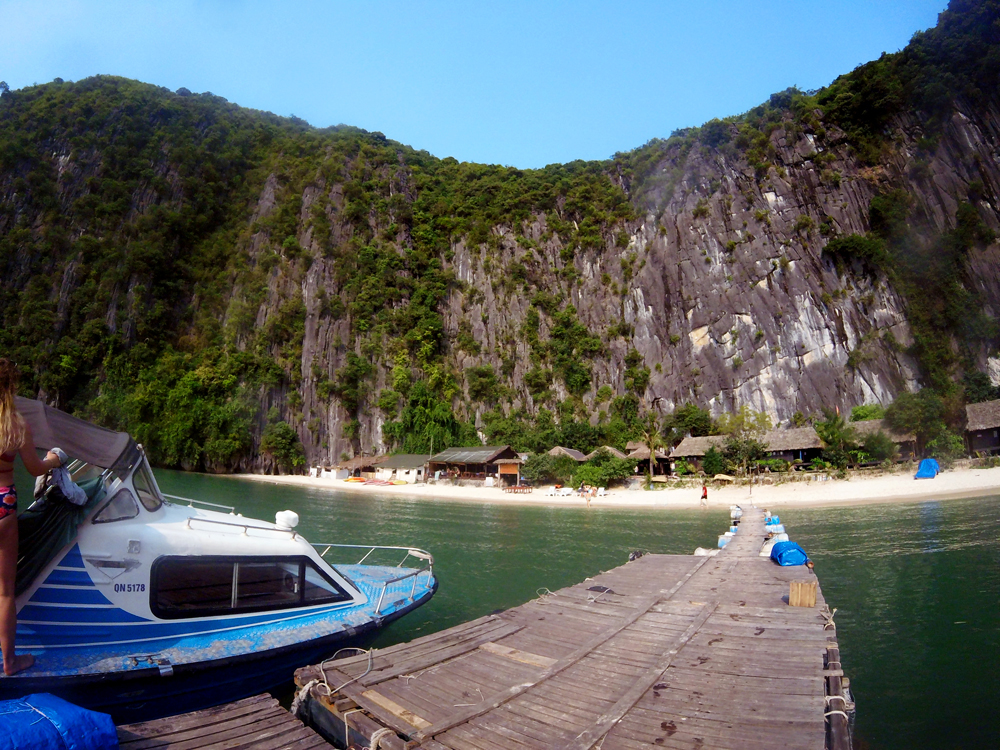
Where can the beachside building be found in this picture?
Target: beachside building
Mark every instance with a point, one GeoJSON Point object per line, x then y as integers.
{"type": "Point", "coordinates": [693, 449]}
{"type": "Point", "coordinates": [613, 451]}
{"type": "Point", "coordinates": [793, 444]}
{"type": "Point", "coordinates": [906, 442]}
{"type": "Point", "coordinates": [406, 467]}
{"type": "Point", "coordinates": [661, 460]}
{"type": "Point", "coordinates": [488, 463]}
{"type": "Point", "coordinates": [570, 452]}
{"type": "Point", "coordinates": [982, 431]}
{"type": "Point", "coordinates": [360, 466]}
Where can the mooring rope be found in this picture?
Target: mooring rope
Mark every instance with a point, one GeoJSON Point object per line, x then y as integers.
{"type": "Point", "coordinates": [303, 692]}
{"type": "Point", "coordinates": [837, 711]}
{"type": "Point", "coordinates": [829, 619]}
{"type": "Point", "coordinates": [376, 741]}
{"type": "Point", "coordinates": [347, 727]}
{"type": "Point", "coordinates": [300, 697]}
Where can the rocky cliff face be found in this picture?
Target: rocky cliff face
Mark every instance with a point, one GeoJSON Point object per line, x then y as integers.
{"type": "Point", "coordinates": [715, 280]}
{"type": "Point", "coordinates": [724, 291]}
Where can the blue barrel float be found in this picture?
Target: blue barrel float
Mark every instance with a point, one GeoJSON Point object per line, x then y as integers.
{"type": "Point", "coordinates": [788, 553]}
{"type": "Point", "coordinates": [42, 720]}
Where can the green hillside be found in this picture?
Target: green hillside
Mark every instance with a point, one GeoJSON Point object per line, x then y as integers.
{"type": "Point", "coordinates": [146, 234]}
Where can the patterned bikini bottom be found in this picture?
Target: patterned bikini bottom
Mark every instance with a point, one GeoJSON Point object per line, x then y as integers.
{"type": "Point", "coordinates": [8, 501]}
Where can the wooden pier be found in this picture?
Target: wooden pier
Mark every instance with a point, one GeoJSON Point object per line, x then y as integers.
{"type": "Point", "coordinates": [257, 723]}
{"type": "Point", "coordinates": [666, 651]}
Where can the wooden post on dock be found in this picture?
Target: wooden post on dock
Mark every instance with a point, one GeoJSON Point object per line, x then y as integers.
{"type": "Point", "coordinates": [802, 594]}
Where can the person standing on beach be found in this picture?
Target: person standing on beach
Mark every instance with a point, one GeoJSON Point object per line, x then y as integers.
{"type": "Point", "coordinates": [704, 495]}
{"type": "Point", "coordinates": [15, 440]}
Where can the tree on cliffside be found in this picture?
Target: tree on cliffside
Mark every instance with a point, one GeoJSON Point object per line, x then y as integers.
{"type": "Point", "coordinates": [744, 430]}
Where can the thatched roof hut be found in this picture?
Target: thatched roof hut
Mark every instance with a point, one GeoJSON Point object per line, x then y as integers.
{"type": "Point", "coordinates": [613, 451]}
{"type": "Point", "coordinates": [983, 426]}
{"type": "Point", "coordinates": [570, 452]}
{"type": "Point", "coordinates": [983, 416]}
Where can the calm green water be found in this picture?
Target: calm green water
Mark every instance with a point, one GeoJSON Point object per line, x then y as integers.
{"type": "Point", "coordinates": [917, 586]}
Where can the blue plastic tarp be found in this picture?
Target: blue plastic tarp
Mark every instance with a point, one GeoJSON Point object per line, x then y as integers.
{"type": "Point", "coordinates": [928, 469]}
{"type": "Point", "coordinates": [788, 553]}
{"type": "Point", "coordinates": [45, 721]}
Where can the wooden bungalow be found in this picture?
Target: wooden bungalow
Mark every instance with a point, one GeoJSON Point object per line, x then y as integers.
{"type": "Point", "coordinates": [570, 452]}
{"type": "Point", "coordinates": [613, 451]}
{"type": "Point", "coordinates": [982, 431]}
{"type": "Point", "coordinates": [509, 471]}
{"type": "Point", "coordinates": [797, 443]}
{"type": "Point", "coordinates": [693, 449]}
{"type": "Point", "coordinates": [906, 442]}
{"type": "Point", "coordinates": [661, 461]}
{"type": "Point", "coordinates": [793, 444]}
{"type": "Point", "coordinates": [477, 463]}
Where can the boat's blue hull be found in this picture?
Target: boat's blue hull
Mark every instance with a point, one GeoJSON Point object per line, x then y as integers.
{"type": "Point", "coordinates": [144, 694]}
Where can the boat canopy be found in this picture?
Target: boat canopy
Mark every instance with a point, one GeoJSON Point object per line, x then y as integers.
{"type": "Point", "coordinates": [51, 428]}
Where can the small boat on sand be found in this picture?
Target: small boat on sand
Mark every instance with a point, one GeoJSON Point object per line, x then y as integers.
{"type": "Point", "coordinates": [142, 604]}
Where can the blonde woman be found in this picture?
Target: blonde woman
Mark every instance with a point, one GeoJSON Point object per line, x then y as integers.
{"type": "Point", "coordinates": [15, 440]}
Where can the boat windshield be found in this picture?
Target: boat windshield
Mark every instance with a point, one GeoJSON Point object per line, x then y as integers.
{"type": "Point", "coordinates": [145, 488]}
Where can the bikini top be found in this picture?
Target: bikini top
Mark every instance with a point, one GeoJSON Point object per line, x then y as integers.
{"type": "Point", "coordinates": [9, 456]}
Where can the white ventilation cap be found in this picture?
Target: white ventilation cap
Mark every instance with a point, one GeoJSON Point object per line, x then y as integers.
{"type": "Point", "coordinates": [286, 519]}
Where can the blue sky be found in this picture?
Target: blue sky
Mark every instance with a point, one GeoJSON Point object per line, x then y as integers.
{"type": "Point", "coordinates": [518, 83]}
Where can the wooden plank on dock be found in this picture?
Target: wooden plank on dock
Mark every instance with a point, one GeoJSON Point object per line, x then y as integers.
{"type": "Point", "coordinates": [256, 723]}
{"type": "Point", "coordinates": [667, 650]}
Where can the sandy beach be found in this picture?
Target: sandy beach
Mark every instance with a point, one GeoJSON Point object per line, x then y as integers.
{"type": "Point", "coordinates": [951, 484]}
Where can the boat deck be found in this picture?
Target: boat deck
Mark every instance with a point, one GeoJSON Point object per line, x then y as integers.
{"type": "Point", "coordinates": [666, 651]}
{"type": "Point", "coordinates": [257, 723]}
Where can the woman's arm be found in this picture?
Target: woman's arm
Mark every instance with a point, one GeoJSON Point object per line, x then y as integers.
{"type": "Point", "coordinates": [35, 466]}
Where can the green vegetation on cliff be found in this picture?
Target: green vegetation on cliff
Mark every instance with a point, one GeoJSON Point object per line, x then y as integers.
{"type": "Point", "coordinates": [135, 262]}
{"type": "Point", "coordinates": [167, 258]}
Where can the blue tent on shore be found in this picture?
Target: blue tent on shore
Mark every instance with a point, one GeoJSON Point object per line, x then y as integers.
{"type": "Point", "coordinates": [928, 469]}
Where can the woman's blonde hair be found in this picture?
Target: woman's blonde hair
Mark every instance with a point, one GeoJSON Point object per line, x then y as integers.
{"type": "Point", "coordinates": [11, 423]}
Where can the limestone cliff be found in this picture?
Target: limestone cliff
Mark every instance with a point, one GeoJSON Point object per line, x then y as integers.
{"type": "Point", "coordinates": [194, 272]}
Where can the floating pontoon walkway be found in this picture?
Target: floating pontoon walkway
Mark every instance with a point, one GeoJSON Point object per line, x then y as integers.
{"type": "Point", "coordinates": [666, 651]}
{"type": "Point", "coordinates": [257, 723]}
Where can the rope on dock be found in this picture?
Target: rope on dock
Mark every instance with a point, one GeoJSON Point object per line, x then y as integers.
{"type": "Point", "coordinates": [829, 619]}
{"type": "Point", "coordinates": [300, 697]}
{"type": "Point", "coordinates": [376, 739]}
{"type": "Point", "coordinates": [347, 727]}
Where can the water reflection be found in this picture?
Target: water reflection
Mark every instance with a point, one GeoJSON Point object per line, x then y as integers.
{"type": "Point", "coordinates": [930, 524]}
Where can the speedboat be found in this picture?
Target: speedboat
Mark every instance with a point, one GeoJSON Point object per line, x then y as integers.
{"type": "Point", "coordinates": [142, 604]}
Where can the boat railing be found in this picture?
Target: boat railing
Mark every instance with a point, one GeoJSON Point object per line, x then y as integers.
{"type": "Point", "coordinates": [192, 502]}
{"type": "Point", "coordinates": [246, 527]}
{"type": "Point", "coordinates": [372, 548]}
{"type": "Point", "coordinates": [414, 574]}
